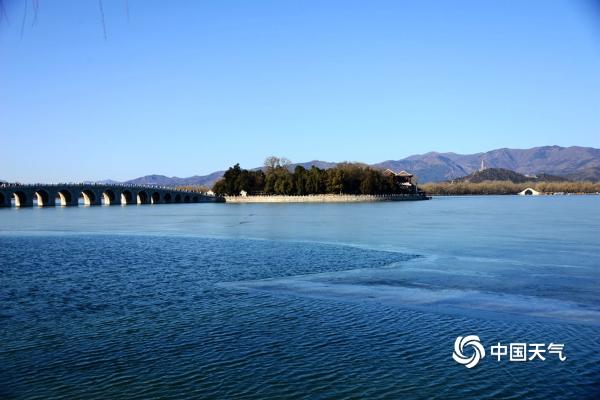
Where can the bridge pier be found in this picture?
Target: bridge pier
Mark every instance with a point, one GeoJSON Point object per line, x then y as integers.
{"type": "Point", "coordinates": [25, 201]}
{"type": "Point", "coordinates": [71, 203]}
{"type": "Point", "coordinates": [96, 202]}
{"type": "Point", "coordinates": [4, 200]}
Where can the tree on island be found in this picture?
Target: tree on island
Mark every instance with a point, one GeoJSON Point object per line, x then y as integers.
{"type": "Point", "coordinates": [272, 163]}
{"type": "Point", "coordinates": [277, 179]}
{"type": "Point", "coordinates": [236, 179]}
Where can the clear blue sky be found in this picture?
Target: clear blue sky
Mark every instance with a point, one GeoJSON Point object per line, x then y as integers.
{"type": "Point", "coordinates": [190, 87]}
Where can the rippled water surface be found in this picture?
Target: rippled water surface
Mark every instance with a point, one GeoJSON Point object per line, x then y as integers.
{"type": "Point", "coordinates": [299, 301]}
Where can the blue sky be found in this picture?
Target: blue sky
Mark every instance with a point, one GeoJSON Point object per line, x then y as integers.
{"type": "Point", "coordinates": [190, 87]}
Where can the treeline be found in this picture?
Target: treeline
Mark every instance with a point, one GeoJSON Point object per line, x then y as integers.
{"type": "Point", "coordinates": [507, 187]}
{"type": "Point", "coordinates": [276, 178]}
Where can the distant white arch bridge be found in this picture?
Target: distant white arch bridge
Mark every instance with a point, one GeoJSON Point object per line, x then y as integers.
{"type": "Point", "coordinates": [50, 195]}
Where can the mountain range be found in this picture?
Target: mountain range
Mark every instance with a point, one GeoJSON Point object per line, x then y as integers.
{"type": "Point", "coordinates": [501, 174]}
{"type": "Point", "coordinates": [574, 163]}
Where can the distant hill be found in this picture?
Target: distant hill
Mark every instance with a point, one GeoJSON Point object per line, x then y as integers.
{"type": "Point", "coordinates": [205, 180]}
{"type": "Point", "coordinates": [574, 163]}
{"type": "Point", "coordinates": [161, 180]}
{"type": "Point", "coordinates": [585, 174]}
{"type": "Point", "coordinates": [316, 163]}
{"type": "Point", "coordinates": [548, 159]}
{"type": "Point", "coordinates": [550, 178]}
{"type": "Point", "coordinates": [429, 167]}
{"type": "Point", "coordinates": [501, 174]}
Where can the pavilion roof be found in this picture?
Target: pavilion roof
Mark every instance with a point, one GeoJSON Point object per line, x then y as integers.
{"type": "Point", "coordinates": [404, 173]}
{"type": "Point", "coordinates": [401, 173]}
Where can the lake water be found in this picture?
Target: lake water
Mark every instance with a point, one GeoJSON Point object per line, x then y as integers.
{"type": "Point", "coordinates": [299, 300]}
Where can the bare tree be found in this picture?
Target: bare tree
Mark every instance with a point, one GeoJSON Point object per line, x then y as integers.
{"type": "Point", "coordinates": [272, 162]}
{"type": "Point", "coordinates": [284, 162]}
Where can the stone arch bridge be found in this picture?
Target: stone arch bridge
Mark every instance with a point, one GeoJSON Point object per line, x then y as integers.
{"type": "Point", "coordinates": [49, 195]}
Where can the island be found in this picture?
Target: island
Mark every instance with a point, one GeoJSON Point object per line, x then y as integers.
{"type": "Point", "coordinates": [346, 182]}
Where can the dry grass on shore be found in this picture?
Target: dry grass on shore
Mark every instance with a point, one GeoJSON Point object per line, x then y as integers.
{"type": "Point", "coordinates": [507, 187]}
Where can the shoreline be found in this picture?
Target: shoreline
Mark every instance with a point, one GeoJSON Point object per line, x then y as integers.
{"type": "Point", "coordinates": [326, 198]}
{"type": "Point", "coordinates": [514, 194]}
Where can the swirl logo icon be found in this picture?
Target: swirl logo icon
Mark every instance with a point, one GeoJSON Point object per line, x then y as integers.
{"type": "Point", "coordinates": [468, 341]}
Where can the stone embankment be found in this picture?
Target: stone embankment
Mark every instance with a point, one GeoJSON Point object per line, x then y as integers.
{"type": "Point", "coordinates": [325, 198]}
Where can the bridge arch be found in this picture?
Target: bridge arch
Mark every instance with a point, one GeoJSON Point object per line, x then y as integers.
{"type": "Point", "coordinates": [2, 199]}
{"type": "Point", "coordinates": [178, 198]}
{"type": "Point", "coordinates": [155, 198]}
{"type": "Point", "coordinates": [89, 197]}
{"type": "Point", "coordinates": [186, 198]}
{"type": "Point", "coordinates": [109, 197]}
{"type": "Point", "coordinates": [64, 197]}
{"type": "Point", "coordinates": [126, 197]}
{"type": "Point", "coordinates": [20, 198]}
{"type": "Point", "coordinates": [43, 198]}
{"type": "Point", "coordinates": [195, 199]}
{"type": "Point", "coordinates": [142, 197]}
{"type": "Point", "coordinates": [168, 198]}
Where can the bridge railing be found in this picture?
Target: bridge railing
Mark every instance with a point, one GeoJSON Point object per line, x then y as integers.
{"type": "Point", "coordinates": [97, 185]}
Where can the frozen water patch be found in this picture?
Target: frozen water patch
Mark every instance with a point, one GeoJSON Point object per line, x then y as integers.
{"type": "Point", "coordinates": [426, 295]}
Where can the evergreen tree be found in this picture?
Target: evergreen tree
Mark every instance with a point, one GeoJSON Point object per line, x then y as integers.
{"type": "Point", "coordinates": [345, 178]}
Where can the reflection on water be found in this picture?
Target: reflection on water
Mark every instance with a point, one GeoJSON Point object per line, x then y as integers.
{"type": "Point", "coordinates": [307, 300]}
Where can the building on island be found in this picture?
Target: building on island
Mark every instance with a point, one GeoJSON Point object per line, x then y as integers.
{"type": "Point", "coordinates": [403, 178]}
